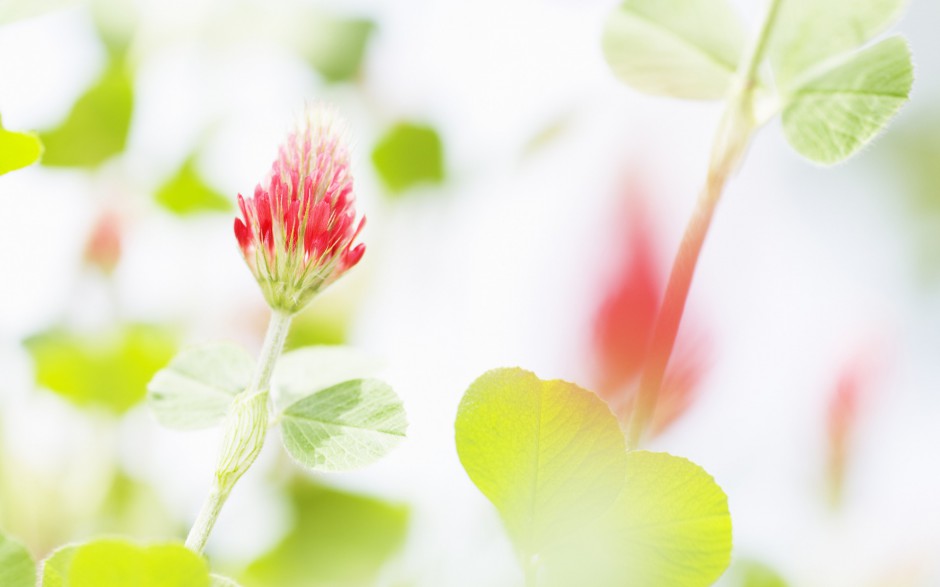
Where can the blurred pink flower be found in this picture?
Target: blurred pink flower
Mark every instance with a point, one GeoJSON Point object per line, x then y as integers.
{"type": "Point", "coordinates": [297, 233]}
{"type": "Point", "coordinates": [624, 321]}
{"type": "Point", "coordinates": [103, 247]}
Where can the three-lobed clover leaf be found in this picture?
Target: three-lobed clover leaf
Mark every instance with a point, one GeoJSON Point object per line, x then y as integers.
{"type": "Point", "coordinates": [119, 563]}
{"type": "Point", "coordinates": [834, 92]}
{"type": "Point", "coordinates": [552, 459]}
{"type": "Point", "coordinates": [333, 417]}
{"type": "Point", "coordinates": [17, 568]}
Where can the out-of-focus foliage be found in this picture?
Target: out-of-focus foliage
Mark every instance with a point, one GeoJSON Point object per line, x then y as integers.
{"type": "Point", "coordinates": [834, 114]}
{"type": "Point", "coordinates": [335, 45]}
{"type": "Point", "coordinates": [17, 568]}
{"type": "Point", "coordinates": [187, 193]}
{"type": "Point", "coordinates": [682, 48]}
{"type": "Point", "coordinates": [118, 563]}
{"type": "Point", "coordinates": [18, 150]}
{"type": "Point", "coordinates": [196, 389]}
{"type": "Point", "coordinates": [911, 159]}
{"type": "Point", "coordinates": [338, 539]}
{"type": "Point", "coordinates": [407, 155]}
{"type": "Point", "coordinates": [341, 427]}
{"type": "Point", "coordinates": [553, 460]}
{"type": "Point", "coordinates": [13, 10]}
{"type": "Point", "coordinates": [314, 326]}
{"type": "Point", "coordinates": [327, 321]}
{"type": "Point", "coordinates": [133, 509]}
{"type": "Point", "coordinates": [751, 573]}
{"type": "Point", "coordinates": [108, 369]}
{"type": "Point", "coordinates": [96, 128]}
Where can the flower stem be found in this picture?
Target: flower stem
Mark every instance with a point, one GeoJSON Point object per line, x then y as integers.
{"type": "Point", "coordinates": [732, 138]}
{"type": "Point", "coordinates": [245, 429]}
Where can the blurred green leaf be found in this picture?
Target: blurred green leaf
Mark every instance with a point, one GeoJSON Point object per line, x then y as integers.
{"type": "Point", "coordinates": [13, 10]}
{"type": "Point", "coordinates": [312, 326]}
{"type": "Point", "coordinates": [18, 150]}
{"type": "Point", "coordinates": [681, 48]}
{"type": "Point", "coordinates": [408, 155]}
{"type": "Point", "coordinates": [750, 573]}
{"type": "Point", "coordinates": [338, 540]}
{"type": "Point", "coordinates": [669, 527]}
{"type": "Point", "coordinates": [133, 509]}
{"type": "Point", "coordinates": [219, 581]}
{"type": "Point", "coordinates": [17, 568]}
{"type": "Point", "coordinates": [186, 193]}
{"type": "Point", "coordinates": [196, 389]}
{"type": "Point", "coordinates": [118, 563]}
{"type": "Point", "coordinates": [318, 367]}
{"type": "Point", "coordinates": [808, 32]}
{"type": "Point", "coordinates": [342, 427]}
{"type": "Point", "coordinates": [547, 454]}
{"type": "Point", "coordinates": [107, 369]}
{"type": "Point", "coordinates": [96, 129]}
{"type": "Point", "coordinates": [116, 23]}
{"type": "Point", "coordinates": [336, 46]}
{"type": "Point", "coordinates": [833, 115]}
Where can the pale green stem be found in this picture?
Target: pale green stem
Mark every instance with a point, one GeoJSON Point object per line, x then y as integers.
{"type": "Point", "coordinates": [732, 138]}
{"type": "Point", "coordinates": [245, 429]}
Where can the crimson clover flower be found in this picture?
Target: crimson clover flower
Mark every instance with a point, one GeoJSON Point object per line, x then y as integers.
{"type": "Point", "coordinates": [297, 233]}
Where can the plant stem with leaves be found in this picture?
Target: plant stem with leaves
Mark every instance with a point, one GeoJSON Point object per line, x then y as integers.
{"type": "Point", "coordinates": [245, 430]}
{"type": "Point", "coordinates": [732, 138]}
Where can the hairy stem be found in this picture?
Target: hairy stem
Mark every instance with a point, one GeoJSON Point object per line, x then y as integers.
{"type": "Point", "coordinates": [245, 429]}
{"type": "Point", "coordinates": [731, 141]}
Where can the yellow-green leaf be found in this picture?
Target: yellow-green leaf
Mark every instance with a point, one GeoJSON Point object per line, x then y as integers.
{"type": "Point", "coordinates": [96, 128]}
{"type": "Point", "coordinates": [834, 114]}
{"type": "Point", "coordinates": [336, 46]}
{"type": "Point", "coordinates": [337, 539]}
{"type": "Point", "coordinates": [108, 369]}
{"type": "Point", "coordinates": [18, 150]}
{"type": "Point", "coordinates": [118, 563]}
{"type": "Point", "coordinates": [580, 509]}
{"type": "Point", "coordinates": [408, 155]}
{"type": "Point", "coordinates": [681, 48]}
{"type": "Point", "coordinates": [548, 454]}
{"type": "Point", "coordinates": [187, 193]}
{"type": "Point", "coordinates": [17, 568]}
{"type": "Point", "coordinates": [670, 527]}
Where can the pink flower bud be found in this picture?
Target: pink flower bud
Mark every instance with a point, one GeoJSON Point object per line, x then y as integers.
{"type": "Point", "coordinates": [298, 232]}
